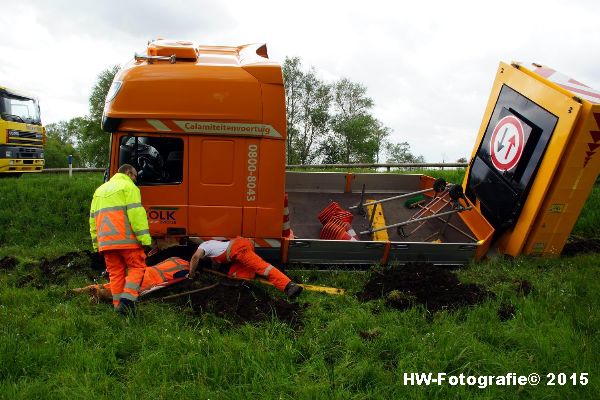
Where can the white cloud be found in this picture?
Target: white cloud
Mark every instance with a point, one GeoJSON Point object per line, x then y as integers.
{"type": "Point", "coordinates": [428, 66]}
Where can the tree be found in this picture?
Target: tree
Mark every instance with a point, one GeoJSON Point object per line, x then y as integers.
{"type": "Point", "coordinates": [380, 134]}
{"type": "Point", "coordinates": [60, 143]}
{"type": "Point", "coordinates": [353, 140]}
{"type": "Point", "coordinates": [351, 99]}
{"type": "Point", "coordinates": [462, 160]}
{"type": "Point", "coordinates": [292, 78]}
{"type": "Point", "coordinates": [356, 135]}
{"type": "Point", "coordinates": [400, 153]}
{"type": "Point", "coordinates": [92, 142]}
{"type": "Point", "coordinates": [308, 100]}
{"type": "Point", "coordinates": [99, 91]}
{"type": "Point", "coordinates": [331, 123]}
{"type": "Point", "coordinates": [314, 117]}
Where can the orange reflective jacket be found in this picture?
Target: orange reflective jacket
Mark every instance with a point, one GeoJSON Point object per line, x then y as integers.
{"type": "Point", "coordinates": [165, 271]}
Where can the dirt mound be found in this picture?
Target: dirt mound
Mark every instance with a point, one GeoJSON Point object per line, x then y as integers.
{"type": "Point", "coordinates": [506, 311]}
{"type": "Point", "coordinates": [8, 263]}
{"type": "Point", "coordinates": [434, 287]}
{"type": "Point", "coordinates": [523, 287]}
{"type": "Point", "coordinates": [60, 270]}
{"type": "Point", "coordinates": [581, 245]}
{"type": "Point", "coordinates": [242, 302]}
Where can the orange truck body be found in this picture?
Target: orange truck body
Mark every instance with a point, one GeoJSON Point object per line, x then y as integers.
{"type": "Point", "coordinates": [206, 128]}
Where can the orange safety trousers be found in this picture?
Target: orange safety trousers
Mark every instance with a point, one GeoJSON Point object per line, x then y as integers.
{"type": "Point", "coordinates": [126, 271]}
{"type": "Point", "coordinates": [166, 271]}
{"type": "Point", "coordinates": [246, 264]}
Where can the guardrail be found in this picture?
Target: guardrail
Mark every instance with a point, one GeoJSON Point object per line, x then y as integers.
{"type": "Point", "coordinates": [308, 166]}
{"type": "Point", "coordinates": [388, 165]}
{"type": "Point", "coordinates": [66, 170]}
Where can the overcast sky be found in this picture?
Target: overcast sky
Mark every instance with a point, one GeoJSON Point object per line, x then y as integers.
{"type": "Point", "coordinates": [428, 65]}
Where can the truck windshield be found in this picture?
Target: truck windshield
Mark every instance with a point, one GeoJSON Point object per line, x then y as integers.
{"type": "Point", "coordinates": [19, 109]}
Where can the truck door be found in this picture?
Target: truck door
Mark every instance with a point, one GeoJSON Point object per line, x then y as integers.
{"type": "Point", "coordinates": [217, 194]}
{"type": "Point", "coordinates": [161, 162]}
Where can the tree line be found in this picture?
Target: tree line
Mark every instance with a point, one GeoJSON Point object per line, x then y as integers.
{"type": "Point", "coordinates": [82, 137]}
{"type": "Point", "coordinates": [327, 123]}
{"type": "Point", "coordinates": [332, 123]}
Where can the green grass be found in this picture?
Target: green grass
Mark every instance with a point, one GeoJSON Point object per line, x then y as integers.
{"type": "Point", "coordinates": [53, 345]}
{"type": "Point", "coordinates": [46, 215]}
{"type": "Point", "coordinates": [587, 224]}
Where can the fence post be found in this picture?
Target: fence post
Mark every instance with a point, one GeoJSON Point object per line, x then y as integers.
{"type": "Point", "coordinates": [70, 165]}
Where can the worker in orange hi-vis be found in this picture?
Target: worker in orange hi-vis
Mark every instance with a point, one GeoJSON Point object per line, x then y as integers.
{"type": "Point", "coordinates": [245, 263]}
{"type": "Point", "coordinates": [166, 273]}
{"type": "Point", "coordinates": [119, 229]}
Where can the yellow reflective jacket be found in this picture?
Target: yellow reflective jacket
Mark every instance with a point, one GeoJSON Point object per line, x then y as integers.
{"type": "Point", "coordinates": [117, 218]}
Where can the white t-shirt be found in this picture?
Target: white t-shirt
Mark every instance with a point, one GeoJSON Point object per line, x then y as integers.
{"type": "Point", "coordinates": [213, 248]}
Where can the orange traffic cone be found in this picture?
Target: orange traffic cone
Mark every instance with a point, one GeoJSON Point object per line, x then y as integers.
{"type": "Point", "coordinates": [286, 230]}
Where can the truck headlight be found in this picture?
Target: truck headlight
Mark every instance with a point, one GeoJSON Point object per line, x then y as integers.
{"type": "Point", "coordinates": [9, 154]}
{"type": "Point", "coordinates": [41, 155]}
{"type": "Point", "coordinates": [38, 135]}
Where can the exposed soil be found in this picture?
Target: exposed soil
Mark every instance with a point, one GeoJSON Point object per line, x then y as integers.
{"type": "Point", "coordinates": [506, 311]}
{"type": "Point", "coordinates": [243, 302]}
{"type": "Point", "coordinates": [8, 263]}
{"type": "Point", "coordinates": [370, 334]}
{"type": "Point", "coordinates": [581, 245]}
{"type": "Point", "coordinates": [434, 287]}
{"type": "Point", "coordinates": [59, 270]}
{"type": "Point", "coordinates": [523, 287]}
{"type": "Point", "coordinates": [237, 301]}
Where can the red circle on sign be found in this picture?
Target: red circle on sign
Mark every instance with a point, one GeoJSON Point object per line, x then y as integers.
{"type": "Point", "coordinates": [508, 163]}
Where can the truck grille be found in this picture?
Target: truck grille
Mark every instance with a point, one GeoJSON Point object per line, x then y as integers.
{"type": "Point", "coordinates": [24, 138]}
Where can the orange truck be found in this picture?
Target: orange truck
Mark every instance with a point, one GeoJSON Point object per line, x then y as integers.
{"type": "Point", "coordinates": [205, 126]}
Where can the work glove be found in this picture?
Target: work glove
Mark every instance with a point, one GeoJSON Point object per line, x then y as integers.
{"type": "Point", "coordinates": [196, 272]}
{"type": "Point", "coordinates": [149, 250]}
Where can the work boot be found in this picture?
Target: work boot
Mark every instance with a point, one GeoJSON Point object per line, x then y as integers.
{"type": "Point", "coordinates": [292, 290]}
{"type": "Point", "coordinates": [126, 307]}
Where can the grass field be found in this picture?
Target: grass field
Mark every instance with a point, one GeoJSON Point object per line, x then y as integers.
{"type": "Point", "coordinates": [53, 345]}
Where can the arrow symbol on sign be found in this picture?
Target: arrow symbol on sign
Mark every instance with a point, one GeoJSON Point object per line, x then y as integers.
{"type": "Point", "coordinates": [511, 143]}
{"type": "Point", "coordinates": [501, 144]}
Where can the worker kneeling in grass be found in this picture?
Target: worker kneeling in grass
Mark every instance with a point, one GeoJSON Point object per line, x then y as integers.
{"type": "Point", "coordinates": [245, 263]}
{"type": "Point", "coordinates": [163, 274]}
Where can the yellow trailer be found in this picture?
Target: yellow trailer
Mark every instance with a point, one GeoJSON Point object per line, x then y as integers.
{"type": "Point", "coordinates": [534, 163]}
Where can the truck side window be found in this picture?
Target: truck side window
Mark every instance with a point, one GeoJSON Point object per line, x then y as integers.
{"type": "Point", "coordinates": [158, 160]}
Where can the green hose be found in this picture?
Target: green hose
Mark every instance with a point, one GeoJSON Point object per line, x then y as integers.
{"type": "Point", "coordinates": [410, 203]}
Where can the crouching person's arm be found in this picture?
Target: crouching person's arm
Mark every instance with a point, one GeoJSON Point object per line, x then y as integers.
{"type": "Point", "coordinates": [195, 262]}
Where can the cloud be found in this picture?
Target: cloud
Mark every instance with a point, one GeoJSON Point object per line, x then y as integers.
{"type": "Point", "coordinates": [429, 66]}
{"type": "Point", "coordinates": [112, 19]}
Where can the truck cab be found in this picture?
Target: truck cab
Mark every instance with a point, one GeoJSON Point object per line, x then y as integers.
{"type": "Point", "coordinates": [205, 127]}
{"type": "Point", "coordinates": [22, 135]}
